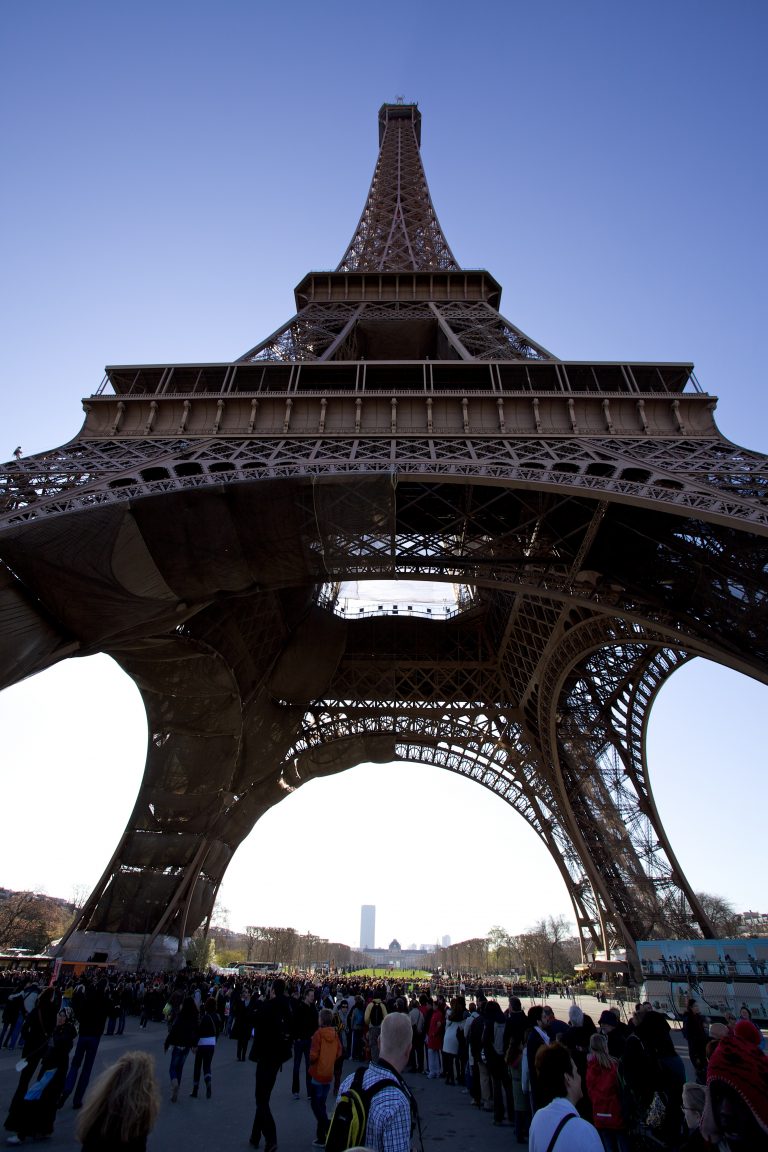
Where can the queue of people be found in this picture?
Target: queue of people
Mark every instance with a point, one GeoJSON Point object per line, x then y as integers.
{"type": "Point", "coordinates": [586, 1084]}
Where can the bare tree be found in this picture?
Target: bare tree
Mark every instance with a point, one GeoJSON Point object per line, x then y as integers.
{"type": "Point", "coordinates": [80, 893]}
{"type": "Point", "coordinates": [551, 933]}
{"type": "Point", "coordinates": [724, 918]}
{"type": "Point", "coordinates": [31, 920]}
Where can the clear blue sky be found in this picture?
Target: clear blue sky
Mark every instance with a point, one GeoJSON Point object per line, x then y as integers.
{"type": "Point", "coordinates": [172, 170]}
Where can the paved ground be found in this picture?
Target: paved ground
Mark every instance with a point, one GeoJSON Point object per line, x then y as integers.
{"type": "Point", "coordinates": [224, 1121]}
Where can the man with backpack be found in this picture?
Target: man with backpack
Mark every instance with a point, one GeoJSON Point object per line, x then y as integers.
{"type": "Point", "coordinates": [374, 1017]}
{"type": "Point", "coordinates": [374, 1107]}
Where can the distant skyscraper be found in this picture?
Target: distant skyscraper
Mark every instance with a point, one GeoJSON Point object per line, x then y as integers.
{"type": "Point", "coordinates": [446, 941]}
{"type": "Point", "coordinates": [368, 926]}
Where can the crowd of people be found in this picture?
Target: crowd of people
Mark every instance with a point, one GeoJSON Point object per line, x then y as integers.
{"type": "Point", "coordinates": [587, 1084]}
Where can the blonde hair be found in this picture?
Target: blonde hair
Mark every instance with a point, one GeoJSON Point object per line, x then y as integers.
{"type": "Point", "coordinates": [598, 1051]}
{"type": "Point", "coordinates": [124, 1102]}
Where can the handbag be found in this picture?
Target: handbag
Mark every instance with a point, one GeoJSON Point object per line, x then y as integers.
{"type": "Point", "coordinates": [657, 1110]}
{"type": "Point", "coordinates": [35, 1091]}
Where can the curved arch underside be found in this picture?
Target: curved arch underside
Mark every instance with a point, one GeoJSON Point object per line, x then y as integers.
{"type": "Point", "coordinates": [583, 604]}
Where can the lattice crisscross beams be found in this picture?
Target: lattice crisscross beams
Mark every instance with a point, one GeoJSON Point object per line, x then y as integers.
{"type": "Point", "coordinates": [476, 743]}
{"type": "Point", "coordinates": [399, 228]}
{"type": "Point", "coordinates": [697, 477]}
{"type": "Point", "coordinates": [307, 336]}
{"type": "Point", "coordinates": [480, 333]}
{"type": "Point", "coordinates": [590, 692]}
{"type": "Point", "coordinates": [199, 526]}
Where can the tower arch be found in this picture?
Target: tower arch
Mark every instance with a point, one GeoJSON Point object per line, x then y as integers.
{"type": "Point", "coordinates": [397, 424]}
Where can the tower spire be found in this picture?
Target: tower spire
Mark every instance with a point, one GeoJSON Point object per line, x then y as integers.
{"type": "Point", "coordinates": [398, 229]}
{"type": "Point", "coordinates": [398, 293]}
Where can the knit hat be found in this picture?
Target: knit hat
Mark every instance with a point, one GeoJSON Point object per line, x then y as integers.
{"type": "Point", "coordinates": [717, 1031]}
{"type": "Point", "coordinates": [609, 1018]}
{"type": "Point", "coordinates": [741, 1065]}
{"type": "Point", "coordinates": [746, 1030]}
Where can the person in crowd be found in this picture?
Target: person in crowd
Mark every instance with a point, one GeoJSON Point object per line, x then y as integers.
{"type": "Point", "coordinates": [604, 1090]}
{"type": "Point", "coordinates": [33, 1113]}
{"type": "Point", "coordinates": [182, 1035]}
{"type": "Point", "coordinates": [651, 1064]}
{"type": "Point", "coordinates": [493, 1069]}
{"type": "Point", "coordinates": [325, 1050]}
{"type": "Point", "coordinates": [304, 1028]}
{"type": "Point", "coordinates": [473, 1034]}
{"type": "Point", "coordinates": [240, 1021]}
{"type": "Point", "coordinates": [205, 1045]}
{"type": "Point", "coordinates": [17, 1007]}
{"type": "Point", "coordinates": [90, 1006]}
{"type": "Point", "coordinates": [576, 1039]}
{"type": "Point", "coordinates": [357, 1028]}
{"type": "Point", "coordinates": [518, 1021]}
{"type": "Point", "coordinates": [113, 1009]}
{"type": "Point", "coordinates": [535, 1039]}
{"type": "Point", "coordinates": [340, 1016]}
{"type": "Point", "coordinates": [694, 1099]}
{"type": "Point", "coordinates": [614, 1031]}
{"type": "Point", "coordinates": [435, 1030]}
{"type": "Point", "coordinates": [36, 1034]}
{"type": "Point", "coordinates": [392, 1113]}
{"type": "Point", "coordinates": [695, 1032]}
{"type": "Point", "coordinates": [736, 1109]}
{"type": "Point", "coordinates": [416, 1017]}
{"type": "Point", "coordinates": [450, 1051]}
{"type": "Point", "coordinates": [556, 1121]}
{"type": "Point", "coordinates": [122, 1107]}
{"type": "Point", "coordinates": [514, 1059]}
{"type": "Point", "coordinates": [272, 1030]}
{"type": "Point", "coordinates": [375, 1013]}
{"type": "Point", "coordinates": [553, 1027]}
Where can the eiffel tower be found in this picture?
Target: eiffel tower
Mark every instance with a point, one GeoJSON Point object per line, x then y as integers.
{"type": "Point", "coordinates": [200, 526]}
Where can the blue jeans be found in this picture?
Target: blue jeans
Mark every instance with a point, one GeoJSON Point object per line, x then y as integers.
{"type": "Point", "coordinates": [15, 1031]}
{"type": "Point", "coordinates": [178, 1056]}
{"type": "Point", "coordinates": [318, 1094]}
{"type": "Point", "coordinates": [85, 1054]}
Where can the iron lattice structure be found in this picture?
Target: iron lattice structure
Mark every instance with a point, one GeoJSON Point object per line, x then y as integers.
{"type": "Point", "coordinates": [602, 529]}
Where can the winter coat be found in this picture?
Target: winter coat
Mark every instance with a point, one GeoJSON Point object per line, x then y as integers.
{"type": "Point", "coordinates": [435, 1032]}
{"type": "Point", "coordinates": [324, 1051]}
{"type": "Point", "coordinates": [605, 1093]}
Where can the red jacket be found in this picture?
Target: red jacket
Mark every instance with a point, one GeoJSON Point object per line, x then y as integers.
{"type": "Point", "coordinates": [435, 1032]}
{"type": "Point", "coordinates": [604, 1092]}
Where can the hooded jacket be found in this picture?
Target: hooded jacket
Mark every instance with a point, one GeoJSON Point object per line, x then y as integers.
{"type": "Point", "coordinates": [324, 1051]}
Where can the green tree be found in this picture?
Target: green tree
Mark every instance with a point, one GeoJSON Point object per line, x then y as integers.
{"type": "Point", "coordinates": [201, 951]}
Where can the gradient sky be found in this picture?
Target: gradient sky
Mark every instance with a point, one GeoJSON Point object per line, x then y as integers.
{"type": "Point", "coordinates": [172, 170]}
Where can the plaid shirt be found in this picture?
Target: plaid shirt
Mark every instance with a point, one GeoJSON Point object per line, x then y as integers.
{"type": "Point", "coordinates": [389, 1117]}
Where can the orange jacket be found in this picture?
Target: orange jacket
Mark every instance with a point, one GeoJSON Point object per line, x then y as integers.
{"type": "Point", "coordinates": [324, 1051]}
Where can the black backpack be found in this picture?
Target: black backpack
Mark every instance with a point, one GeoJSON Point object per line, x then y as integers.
{"type": "Point", "coordinates": [350, 1116]}
{"type": "Point", "coordinates": [375, 1018]}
